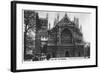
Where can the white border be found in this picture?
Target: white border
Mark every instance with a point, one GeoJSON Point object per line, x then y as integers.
{"type": "Point", "coordinates": [57, 63]}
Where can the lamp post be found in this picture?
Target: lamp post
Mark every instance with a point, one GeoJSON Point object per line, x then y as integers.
{"type": "Point", "coordinates": [44, 44]}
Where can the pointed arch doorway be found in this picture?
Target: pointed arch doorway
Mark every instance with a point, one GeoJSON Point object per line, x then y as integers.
{"type": "Point", "coordinates": [67, 54]}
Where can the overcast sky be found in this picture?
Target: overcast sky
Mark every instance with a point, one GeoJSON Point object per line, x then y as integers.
{"type": "Point", "coordinates": [84, 20]}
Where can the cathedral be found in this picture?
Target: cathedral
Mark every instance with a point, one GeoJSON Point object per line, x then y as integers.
{"type": "Point", "coordinates": [65, 39]}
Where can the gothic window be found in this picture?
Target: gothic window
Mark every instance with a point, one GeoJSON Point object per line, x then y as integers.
{"type": "Point", "coordinates": [66, 36]}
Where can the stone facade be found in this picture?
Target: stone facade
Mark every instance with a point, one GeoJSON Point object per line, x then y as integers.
{"type": "Point", "coordinates": [66, 39]}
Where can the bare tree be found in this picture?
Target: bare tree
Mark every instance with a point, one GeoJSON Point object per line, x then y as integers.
{"type": "Point", "coordinates": [31, 22]}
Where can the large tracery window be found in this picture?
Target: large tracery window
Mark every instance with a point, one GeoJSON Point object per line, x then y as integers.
{"type": "Point", "coordinates": [66, 36]}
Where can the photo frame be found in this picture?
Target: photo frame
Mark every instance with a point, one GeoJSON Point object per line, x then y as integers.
{"type": "Point", "coordinates": [49, 36]}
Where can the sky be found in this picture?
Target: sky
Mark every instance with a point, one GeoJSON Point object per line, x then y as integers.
{"type": "Point", "coordinates": [84, 20]}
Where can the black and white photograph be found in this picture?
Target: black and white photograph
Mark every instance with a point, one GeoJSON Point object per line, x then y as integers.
{"type": "Point", "coordinates": [54, 35]}
{"type": "Point", "coordinates": [47, 36]}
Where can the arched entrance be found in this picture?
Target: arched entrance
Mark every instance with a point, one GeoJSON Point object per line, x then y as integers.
{"type": "Point", "coordinates": [67, 54]}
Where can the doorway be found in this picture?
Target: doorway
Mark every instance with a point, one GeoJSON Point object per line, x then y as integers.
{"type": "Point", "coordinates": [67, 54]}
